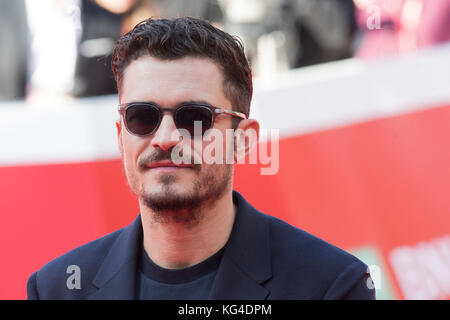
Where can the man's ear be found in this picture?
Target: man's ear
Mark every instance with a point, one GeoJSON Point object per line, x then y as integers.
{"type": "Point", "coordinates": [119, 136]}
{"type": "Point", "coordinates": [246, 139]}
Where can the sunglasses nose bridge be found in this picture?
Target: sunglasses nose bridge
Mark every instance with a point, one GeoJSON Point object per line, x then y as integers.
{"type": "Point", "coordinates": [166, 135]}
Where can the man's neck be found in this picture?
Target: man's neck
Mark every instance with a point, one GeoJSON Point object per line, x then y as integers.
{"type": "Point", "coordinates": [174, 245]}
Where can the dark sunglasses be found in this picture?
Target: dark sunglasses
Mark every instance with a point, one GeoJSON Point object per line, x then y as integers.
{"type": "Point", "coordinates": [144, 118]}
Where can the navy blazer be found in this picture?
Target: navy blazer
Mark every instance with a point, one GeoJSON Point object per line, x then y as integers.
{"type": "Point", "coordinates": [264, 258]}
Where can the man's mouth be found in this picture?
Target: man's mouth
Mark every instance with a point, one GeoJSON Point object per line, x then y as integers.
{"type": "Point", "coordinates": [168, 164]}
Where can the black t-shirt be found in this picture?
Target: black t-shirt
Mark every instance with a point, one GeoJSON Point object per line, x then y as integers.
{"type": "Point", "coordinates": [192, 283]}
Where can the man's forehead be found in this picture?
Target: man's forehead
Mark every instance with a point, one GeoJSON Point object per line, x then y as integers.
{"type": "Point", "coordinates": [187, 78]}
{"type": "Point", "coordinates": [185, 65]}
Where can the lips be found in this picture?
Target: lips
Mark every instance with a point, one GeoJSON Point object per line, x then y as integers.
{"type": "Point", "coordinates": [167, 164]}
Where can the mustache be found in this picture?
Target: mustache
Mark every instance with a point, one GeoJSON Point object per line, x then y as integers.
{"type": "Point", "coordinates": [162, 155]}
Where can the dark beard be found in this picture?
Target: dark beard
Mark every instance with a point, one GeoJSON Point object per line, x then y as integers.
{"type": "Point", "coordinates": [187, 208]}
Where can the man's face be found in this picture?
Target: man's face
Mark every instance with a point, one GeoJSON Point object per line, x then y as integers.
{"type": "Point", "coordinates": [169, 83]}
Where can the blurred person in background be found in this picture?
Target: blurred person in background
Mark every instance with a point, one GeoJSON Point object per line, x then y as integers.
{"type": "Point", "coordinates": [41, 69]}
{"type": "Point", "coordinates": [36, 67]}
{"type": "Point", "coordinates": [76, 65]}
{"type": "Point", "coordinates": [13, 49]}
{"type": "Point", "coordinates": [397, 26]}
{"type": "Point", "coordinates": [285, 34]}
{"type": "Point", "coordinates": [325, 28]}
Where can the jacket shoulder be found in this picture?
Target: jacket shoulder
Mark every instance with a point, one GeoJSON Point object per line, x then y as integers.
{"type": "Point", "coordinates": [310, 267]}
{"type": "Point", "coordinates": [51, 281]}
{"type": "Point", "coordinates": [299, 244]}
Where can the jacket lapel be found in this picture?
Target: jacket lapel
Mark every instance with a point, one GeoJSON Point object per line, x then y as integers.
{"type": "Point", "coordinates": [246, 261]}
{"type": "Point", "coordinates": [116, 278]}
{"type": "Point", "coordinates": [231, 283]}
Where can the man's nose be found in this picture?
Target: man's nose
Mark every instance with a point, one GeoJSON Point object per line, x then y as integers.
{"type": "Point", "coordinates": [167, 136]}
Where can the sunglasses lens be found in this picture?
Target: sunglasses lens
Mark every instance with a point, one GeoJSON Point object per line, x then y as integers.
{"type": "Point", "coordinates": [187, 116]}
{"type": "Point", "coordinates": [142, 119]}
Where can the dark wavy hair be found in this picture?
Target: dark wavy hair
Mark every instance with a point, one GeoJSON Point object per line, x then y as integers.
{"type": "Point", "coordinates": [181, 37]}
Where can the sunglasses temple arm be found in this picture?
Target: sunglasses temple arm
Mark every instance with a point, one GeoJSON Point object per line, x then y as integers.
{"type": "Point", "coordinates": [231, 113]}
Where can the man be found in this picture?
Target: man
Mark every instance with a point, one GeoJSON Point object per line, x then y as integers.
{"type": "Point", "coordinates": [195, 238]}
